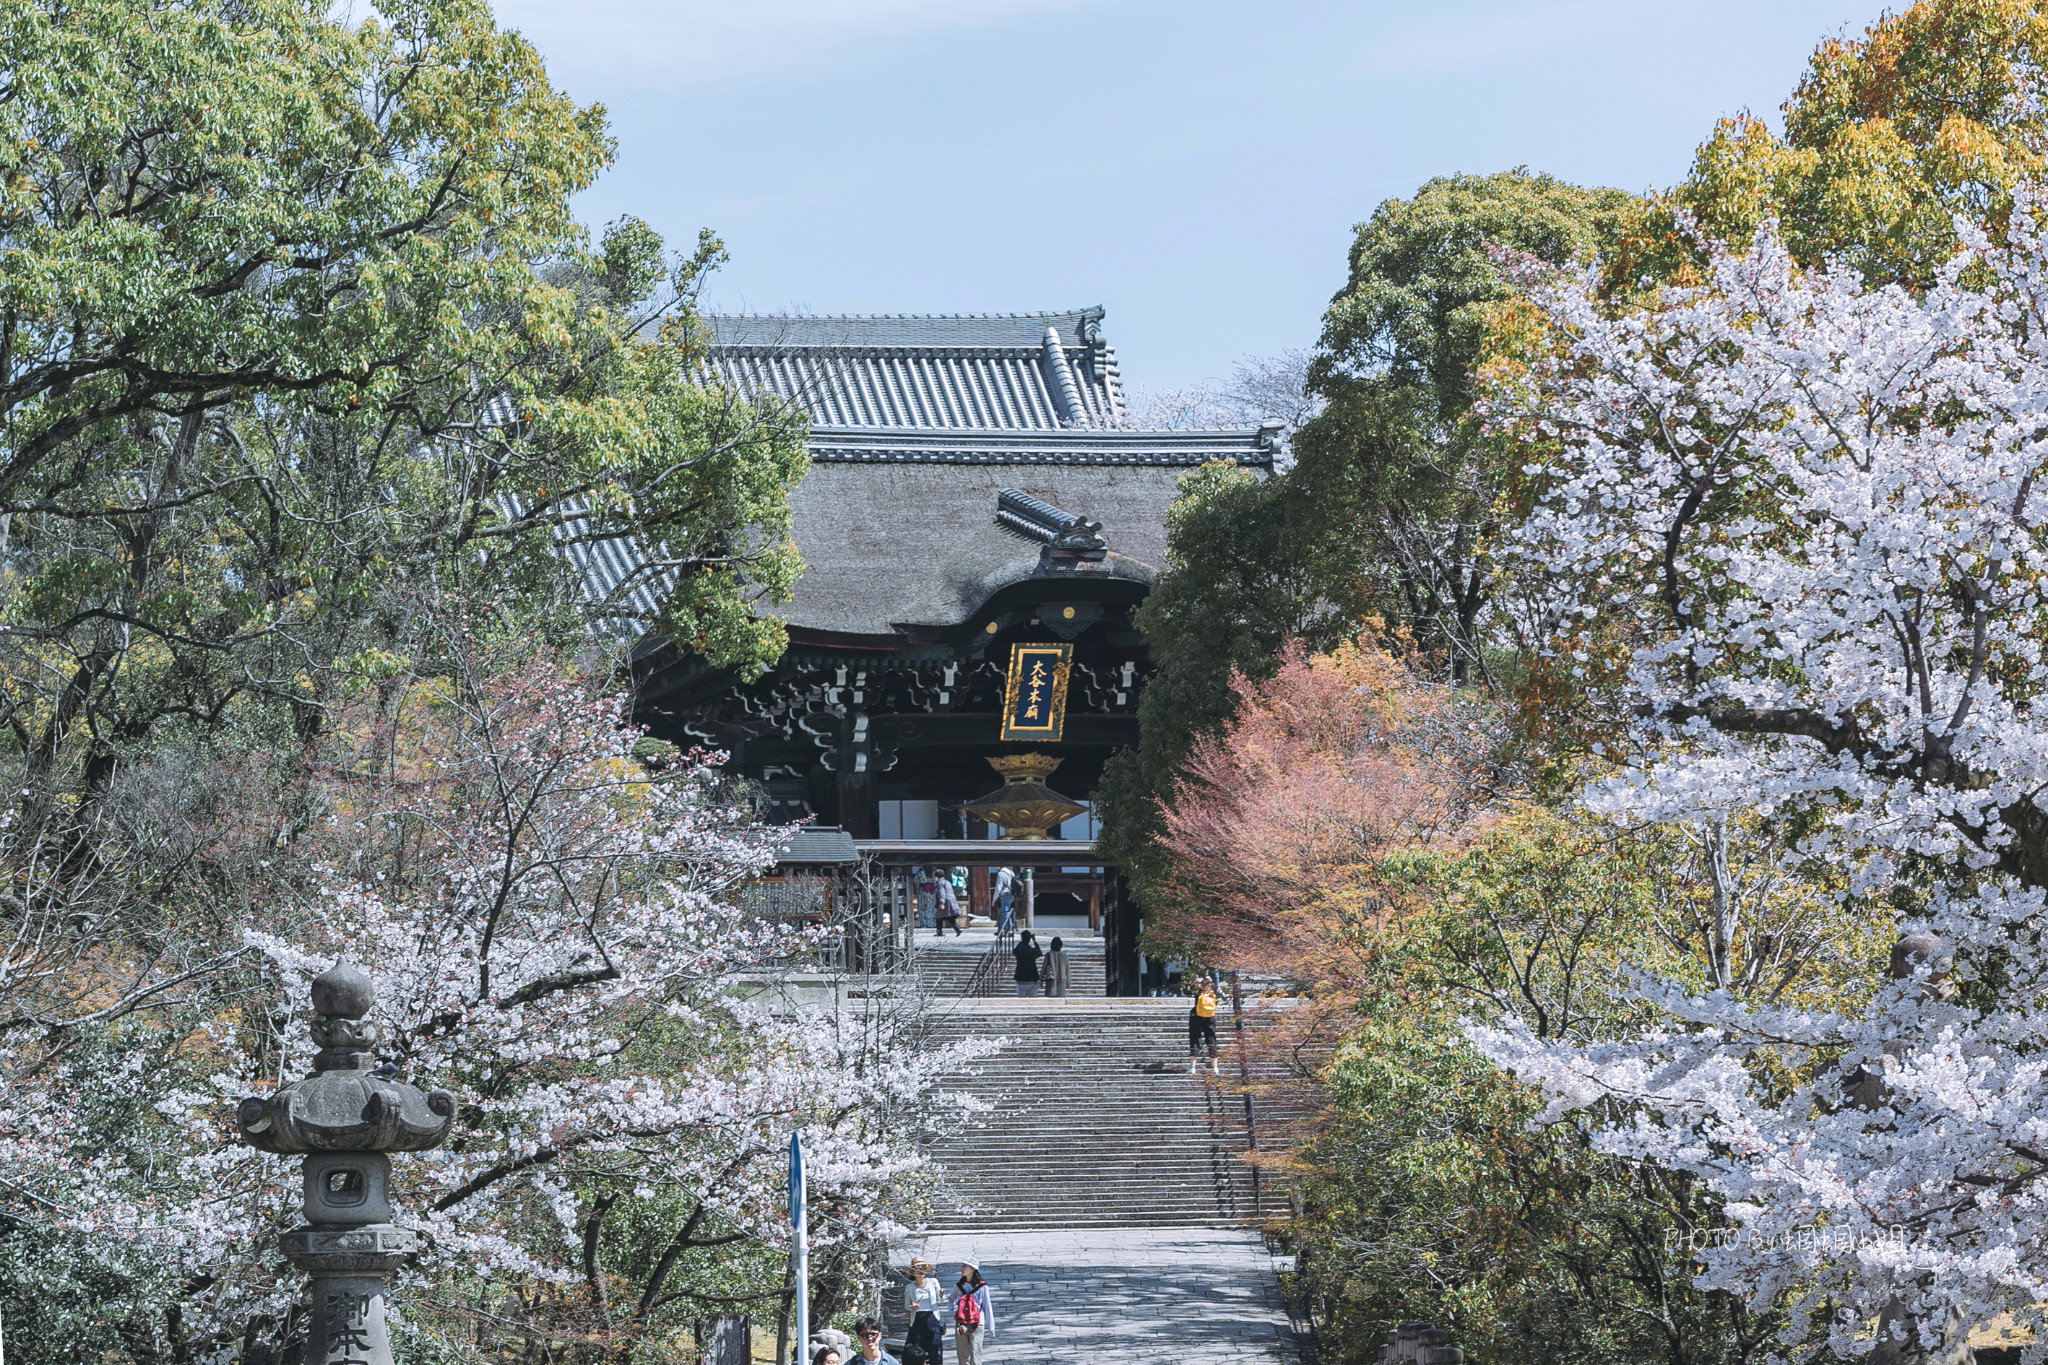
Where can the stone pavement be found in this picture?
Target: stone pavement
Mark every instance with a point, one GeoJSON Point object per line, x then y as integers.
{"type": "Point", "coordinates": [1129, 1296]}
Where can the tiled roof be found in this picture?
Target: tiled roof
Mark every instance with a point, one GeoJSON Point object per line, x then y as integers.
{"type": "Point", "coordinates": [1001, 330]}
{"type": "Point", "coordinates": [813, 845]}
{"type": "Point", "coordinates": [921, 427]}
{"type": "Point", "coordinates": [917, 543]}
{"type": "Point", "coordinates": [622, 589]}
{"type": "Point", "coordinates": [856, 445]}
{"type": "Point", "coordinates": [992, 371]}
{"type": "Point", "coordinates": [618, 581]}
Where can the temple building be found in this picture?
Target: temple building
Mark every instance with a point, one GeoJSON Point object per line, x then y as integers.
{"type": "Point", "coordinates": [975, 486]}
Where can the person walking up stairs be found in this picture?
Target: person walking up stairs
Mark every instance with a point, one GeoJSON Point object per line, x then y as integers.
{"type": "Point", "coordinates": [1093, 1123]}
{"type": "Point", "coordinates": [1202, 1028]}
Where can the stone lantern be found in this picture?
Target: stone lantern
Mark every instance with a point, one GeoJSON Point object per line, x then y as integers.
{"type": "Point", "coordinates": [346, 1118]}
{"type": "Point", "coordinates": [1024, 806]}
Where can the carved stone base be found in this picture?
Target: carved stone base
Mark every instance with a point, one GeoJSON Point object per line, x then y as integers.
{"type": "Point", "coordinates": [375, 1248]}
{"type": "Point", "coordinates": [348, 1266]}
{"type": "Point", "coordinates": [346, 1326]}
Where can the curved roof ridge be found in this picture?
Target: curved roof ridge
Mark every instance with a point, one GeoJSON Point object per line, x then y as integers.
{"type": "Point", "coordinates": [1252, 446]}
{"type": "Point", "coordinates": [869, 331]}
{"type": "Point", "coordinates": [1095, 310]}
{"type": "Point", "coordinates": [1072, 435]}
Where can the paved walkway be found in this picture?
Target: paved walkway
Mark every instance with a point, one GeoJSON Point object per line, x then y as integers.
{"type": "Point", "coordinates": [1132, 1296]}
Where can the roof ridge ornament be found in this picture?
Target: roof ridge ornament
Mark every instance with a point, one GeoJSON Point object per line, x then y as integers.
{"type": "Point", "coordinates": [1053, 527]}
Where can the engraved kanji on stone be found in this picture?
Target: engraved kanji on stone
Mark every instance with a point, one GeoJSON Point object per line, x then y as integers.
{"type": "Point", "coordinates": [344, 1306]}
{"type": "Point", "coordinates": [348, 1328]}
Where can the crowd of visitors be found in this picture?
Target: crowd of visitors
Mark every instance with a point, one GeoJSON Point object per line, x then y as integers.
{"type": "Point", "coordinates": [943, 902]}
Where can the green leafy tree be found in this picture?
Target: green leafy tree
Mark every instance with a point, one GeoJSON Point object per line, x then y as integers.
{"type": "Point", "coordinates": [295, 318]}
{"type": "Point", "coordinates": [1934, 113]}
{"type": "Point", "coordinates": [1398, 463]}
{"type": "Point", "coordinates": [1392, 506]}
{"type": "Point", "coordinates": [305, 363]}
{"type": "Point", "coordinates": [1428, 1191]}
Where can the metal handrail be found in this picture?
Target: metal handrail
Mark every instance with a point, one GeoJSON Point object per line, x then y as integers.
{"type": "Point", "coordinates": [1244, 1071]}
{"type": "Point", "coordinates": [989, 970]}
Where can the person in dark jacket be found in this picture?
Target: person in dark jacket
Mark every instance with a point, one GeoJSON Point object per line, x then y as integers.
{"type": "Point", "coordinates": [1027, 952]}
{"type": "Point", "coordinates": [868, 1332]}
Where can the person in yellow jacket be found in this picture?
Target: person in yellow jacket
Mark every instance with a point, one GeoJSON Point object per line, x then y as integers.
{"type": "Point", "coordinates": [1202, 1027]}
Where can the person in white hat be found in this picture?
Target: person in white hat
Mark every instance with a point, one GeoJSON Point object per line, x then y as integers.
{"type": "Point", "coordinates": [974, 1319]}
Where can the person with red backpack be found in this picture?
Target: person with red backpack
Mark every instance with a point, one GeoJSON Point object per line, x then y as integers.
{"type": "Point", "coordinates": [974, 1321]}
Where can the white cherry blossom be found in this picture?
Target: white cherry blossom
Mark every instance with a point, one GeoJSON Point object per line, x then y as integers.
{"type": "Point", "coordinates": [1812, 515]}
{"type": "Point", "coordinates": [553, 936]}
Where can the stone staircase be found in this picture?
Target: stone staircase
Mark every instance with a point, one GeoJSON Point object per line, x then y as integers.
{"type": "Point", "coordinates": [945, 967]}
{"type": "Point", "coordinates": [1096, 1121]}
{"type": "Point", "coordinates": [944, 972]}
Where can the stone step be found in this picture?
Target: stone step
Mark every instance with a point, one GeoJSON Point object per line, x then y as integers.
{"type": "Point", "coordinates": [1095, 1121]}
{"type": "Point", "coordinates": [949, 972]}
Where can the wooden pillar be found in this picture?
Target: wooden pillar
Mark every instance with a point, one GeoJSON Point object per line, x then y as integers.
{"type": "Point", "coordinates": [855, 786]}
{"type": "Point", "coordinates": [1121, 938]}
{"type": "Point", "coordinates": [858, 814]}
{"type": "Point", "coordinates": [1095, 906]}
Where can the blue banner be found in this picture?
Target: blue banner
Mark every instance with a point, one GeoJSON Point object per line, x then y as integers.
{"type": "Point", "coordinates": [796, 1180]}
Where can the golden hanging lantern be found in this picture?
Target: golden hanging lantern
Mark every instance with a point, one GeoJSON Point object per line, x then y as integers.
{"type": "Point", "coordinates": [1024, 806]}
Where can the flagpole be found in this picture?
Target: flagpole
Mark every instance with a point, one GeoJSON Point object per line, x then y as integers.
{"type": "Point", "coordinates": [800, 1232]}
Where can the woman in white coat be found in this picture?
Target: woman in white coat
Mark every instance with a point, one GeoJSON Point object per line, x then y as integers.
{"type": "Point", "coordinates": [924, 1298]}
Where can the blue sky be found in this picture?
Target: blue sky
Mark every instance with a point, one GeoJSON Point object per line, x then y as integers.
{"type": "Point", "coordinates": [1195, 166]}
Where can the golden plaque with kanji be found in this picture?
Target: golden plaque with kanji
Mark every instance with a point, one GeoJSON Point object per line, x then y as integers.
{"type": "Point", "coordinates": [1035, 695]}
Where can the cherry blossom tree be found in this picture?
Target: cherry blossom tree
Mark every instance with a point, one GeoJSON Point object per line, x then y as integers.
{"type": "Point", "coordinates": [1797, 525]}
{"type": "Point", "coordinates": [551, 923]}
